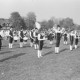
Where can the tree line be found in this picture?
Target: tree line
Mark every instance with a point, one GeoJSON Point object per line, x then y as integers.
{"type": "Point", "coordinates": [28, 22]}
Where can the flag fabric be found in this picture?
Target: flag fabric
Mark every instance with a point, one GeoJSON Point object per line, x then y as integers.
{"type": "Point", "coordinates": [38, 26]}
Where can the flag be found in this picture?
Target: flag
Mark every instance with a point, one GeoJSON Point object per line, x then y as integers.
{"type": "Point", "coordinates": [38, 26]}
{"type": "Point", "coordinates": [63, 30]}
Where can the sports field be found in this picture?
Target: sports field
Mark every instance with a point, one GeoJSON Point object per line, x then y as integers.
{"type": "Point", "coordinates": [23, 64]}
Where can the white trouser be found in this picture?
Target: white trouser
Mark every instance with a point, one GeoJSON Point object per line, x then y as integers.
{"type": "Point", "coordinates": [56, 49]}
{"type": "Point", "coordinates": [36, 46]}
{"type": "Point", "coordinates": [31, 44]}
{"type": "Point", "coordinates": [65, 42]}
{"type": "Point", "coordinates": [10, 45]}
{"type": "Point", "coordinates": [39, 53]}
{"type": "Point", "coordinates": [21, 44]}
{"type": "Point", "coordinates": [51, 42]}
{"type": "Point", "coordinates": [71, 47]}
{"type": "Point", "coordinates": [75, 46]}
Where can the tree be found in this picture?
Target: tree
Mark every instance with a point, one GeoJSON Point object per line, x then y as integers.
{"type": "Point", "coordinates": [23, 24]}
{"type": "Point", "coordinates": [0, 26]}
{"type": "Point", "coordinates": [67, 23]}
{"type": "Point", "coordinates": [77, 27]}
{"type": "Point", "coordinates": [44, 24]}
{"type": "Point", "coordinates": [4, 24]}
{"type": "Point", "coordinates": [17, 20]}
{"type": "Point", "coordinates": [55, 20]}
{"type": "Point", "coordinates": [47, 24]}
{"type": "Point", "coordinates": [50, 23]}
{"type": "Point", "coordinates": [30, 20]}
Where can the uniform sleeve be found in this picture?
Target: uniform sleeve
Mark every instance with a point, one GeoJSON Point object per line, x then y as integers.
{"type": "Point", "coordinates": [30, 34]}
{"type": "Point", "coordinates": [34, 34]}
{"type": "Point", "coordinates": [38, 36]}
{"type": "Point", "coordinates": [9, 33]}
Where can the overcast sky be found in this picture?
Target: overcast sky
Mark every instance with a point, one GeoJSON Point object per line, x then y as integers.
{"type": "Point", "coordinates": [44, 9]}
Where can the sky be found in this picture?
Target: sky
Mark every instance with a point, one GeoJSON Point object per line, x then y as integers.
{"type": "Point", "coordinates": [44, 9]}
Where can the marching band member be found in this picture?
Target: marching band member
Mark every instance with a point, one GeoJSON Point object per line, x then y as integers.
{"type": "Point", "coordinates": [76, 39]}
{"type": "Point", "coordinates": [31, 38]}
{"type": "Point", "coordinates": [71, 40]}
{"type": "Point", "coordinates": [25, 39]}
{"type": "Point", "coordinates": [65, 37]}
{"type": "Point", "coordinates": [15, 38]}
{"type": "Point", "coordinates": [10, 38]}
{"type": "Point", "coordinates": [58, 34]}
{"type": "Point", "coordinates": [35, 34]}
{"type": "Point", "coordinates": [21, 37]}
{"type": "Point", "coordinates": [51, 36]}
{"type": "Point", "coordinates": [0, 42]}
{"type": "Point", "coordinates": [41, 39]}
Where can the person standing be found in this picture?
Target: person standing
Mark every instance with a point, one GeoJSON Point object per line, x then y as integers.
{"type": "Point", "coordinates": [10, 38]}
{"type": "Point", "coordinates": [58, 34]}
{"type": "Point", "coordinates": [76, 37]}
{"type": "Point", "coordinates": [31, 37]}
{"type": "Point", "coordinates": [41, 39]}
{"type": "Point", "coordinates": [25, 37]}
{"type": "Point", "coordinates": [65, 37]}
{"type": "Point", "coordinates": [35, 34]}
{"type": "Point", "coordinates": [0, 42]}
{"type": "Point", "coordinates": [15, 36]}
{"type": "Point", "coordinates": [51, 36]}
{"type": "Point", "coordinates": [21, 38]}
{"type": "Point", "coordinates": [71, 40]}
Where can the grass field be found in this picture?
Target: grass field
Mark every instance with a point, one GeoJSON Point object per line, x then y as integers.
{"type": "Point", "coordinates": [23, 64]}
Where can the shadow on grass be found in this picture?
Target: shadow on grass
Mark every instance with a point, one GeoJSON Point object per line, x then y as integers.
{"type": "Point", "coordinates": [14, 56]}
{"type": "Point", "coordinates": [46, 47]}
{"type": "Point", "coordinates": [4, 46]}
{"type": "Point", "coordinates": [51, 52]}
{"type": "Point", "coordinates": [78, 46]}
{"type": "Point", "coordinates": [26, 46]}
{"type": "Point", "coordinates": [64, 50]}
{"type": "Point", "coordinates": [6, 52]}
{"type": "Point", "coordinates": [68, 43]}
{"type": "Point", "coordinates": [15, 44]}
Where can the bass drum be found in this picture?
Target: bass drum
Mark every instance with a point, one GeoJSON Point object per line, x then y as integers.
{"type": "Point", "coordinates": [16, 38]}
